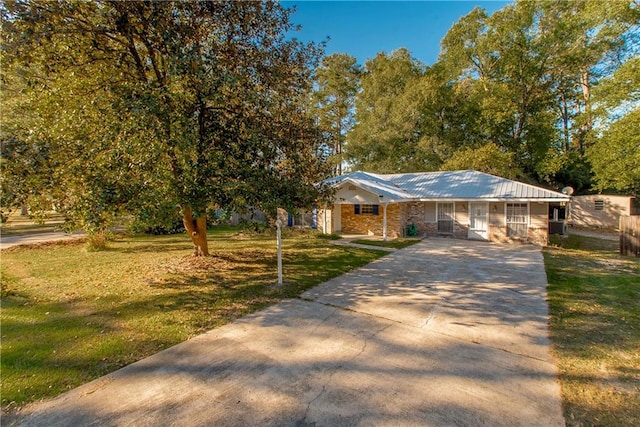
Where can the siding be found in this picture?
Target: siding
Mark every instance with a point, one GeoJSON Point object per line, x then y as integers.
{"type": "Point", "coordinates": [583, 213]}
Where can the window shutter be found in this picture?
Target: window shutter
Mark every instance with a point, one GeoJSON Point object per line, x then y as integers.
{"type": "Point", "coordinates": [375, 209]}
{"type": "Point", "coordinates": [356, 209]}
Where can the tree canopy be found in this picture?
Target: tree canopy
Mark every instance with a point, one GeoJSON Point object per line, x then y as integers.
{"type": "Point", "coordinates": [540, 90]}
{"type": "Point", "coordinates": [147, 104]}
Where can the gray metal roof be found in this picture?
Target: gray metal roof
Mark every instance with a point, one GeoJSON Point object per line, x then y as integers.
{"type": "Point", "coordinates": [449, 185]}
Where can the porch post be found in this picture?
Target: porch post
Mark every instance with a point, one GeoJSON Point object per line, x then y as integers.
{"type": "Point", "coordinates": [384, 221]}
{"type": "Point", "coordinates": [324, 220]}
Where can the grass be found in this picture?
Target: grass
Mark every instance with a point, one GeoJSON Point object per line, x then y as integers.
{"type": "Point", "coordinates": [594, 302]}
{"type": "Point", "coordinates": [396, 243]}
{"type": "Point", "coordinates": [70, 315]}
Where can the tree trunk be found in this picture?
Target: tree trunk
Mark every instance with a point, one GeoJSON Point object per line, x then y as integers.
{"type": "Point", "coordinates": [197, 230]}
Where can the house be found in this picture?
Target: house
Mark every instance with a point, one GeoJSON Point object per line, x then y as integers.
{"type": "Point", "coordinates": [462, 204]}
{"type": "Point", "coordinates": [601, 211]}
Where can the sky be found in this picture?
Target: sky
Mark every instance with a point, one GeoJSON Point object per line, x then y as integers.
{"type": "Point", "coordinates": [365, 28]}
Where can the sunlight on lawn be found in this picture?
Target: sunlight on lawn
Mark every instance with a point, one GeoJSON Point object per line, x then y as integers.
{"type": "Point", "coordinates": [70, 316]}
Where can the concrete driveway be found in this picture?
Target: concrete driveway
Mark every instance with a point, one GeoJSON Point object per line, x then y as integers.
{"type": "Point", "coordinates": [446, 332]}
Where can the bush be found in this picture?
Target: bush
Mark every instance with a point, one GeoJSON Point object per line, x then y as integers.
{"type": "Point", "coordinates": [97, 241]}
{"type": "Point", "coordinates": [254, 227]}
{"type": "Point", "coordinates": [412, 230]}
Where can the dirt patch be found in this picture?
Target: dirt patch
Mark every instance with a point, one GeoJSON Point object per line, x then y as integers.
{"type": "Point", "coordinates": [190, 264]}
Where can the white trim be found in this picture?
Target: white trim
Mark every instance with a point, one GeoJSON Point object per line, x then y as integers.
{"type": "Point", "coordinates": [469, 214]}
{"type": "Point", "coordinates": [528, 217]}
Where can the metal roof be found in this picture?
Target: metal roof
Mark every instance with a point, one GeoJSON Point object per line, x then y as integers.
{"type": "Point", "coordinates": [449, 185]}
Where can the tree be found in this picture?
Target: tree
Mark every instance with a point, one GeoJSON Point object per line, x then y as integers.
{"type": "Point", "coordinates": [203, 102]}
{"type": "Point", "coordinates": [615, 156]}
{"type": "Point", "coordinates": [337, 81]}
{"type": "Point", "coordinates": [488, 158]}
{"type": "Point", "coordinates": [383, 138]}
{"type": "Point", "coordinates": [533, 67]}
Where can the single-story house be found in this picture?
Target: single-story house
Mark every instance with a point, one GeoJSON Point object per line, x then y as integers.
{"type": "Point", "coordinates": [601, 210]}
{"type": "Point", "coordinates": [462, 204]}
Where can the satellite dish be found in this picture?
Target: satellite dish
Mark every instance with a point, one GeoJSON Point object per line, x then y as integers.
{"type": "Point", "coordinates": [567, 190]}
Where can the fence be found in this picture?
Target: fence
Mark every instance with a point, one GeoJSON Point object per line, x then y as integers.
{"type": "Point", "coordinates": [630, 235]}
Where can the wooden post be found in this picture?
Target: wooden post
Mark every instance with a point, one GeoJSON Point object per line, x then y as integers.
{"type": "Point", "coordinates": [279, 245]}
{"type": "Point", "coordinates": [629, 227]}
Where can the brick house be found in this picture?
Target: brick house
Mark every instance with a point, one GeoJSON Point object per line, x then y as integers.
{"type": "Point", "coordinates": [461, 204]}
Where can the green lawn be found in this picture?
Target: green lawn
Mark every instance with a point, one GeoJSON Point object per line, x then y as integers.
{"type": "Point", "coordinates": [69, 315]}
{"type": "Point", "coordinates": [594, 302]}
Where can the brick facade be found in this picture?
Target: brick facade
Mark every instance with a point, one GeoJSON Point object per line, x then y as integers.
{"type": "Point", "coordinates": [371, 224]}
{"type": "Point", "coordinates": [424, 216]}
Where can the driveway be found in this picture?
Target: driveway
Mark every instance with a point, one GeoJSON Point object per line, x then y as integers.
{"type": "Point", "coordinates": [445, 332]}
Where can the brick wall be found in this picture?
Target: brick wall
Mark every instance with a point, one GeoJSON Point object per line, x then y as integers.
{"type": "Point", "coordinates": [372, 224]}
{"type": "Point", "coordinates": [423, 215]}
{"type": "Point", "coordinates": [538, 230]}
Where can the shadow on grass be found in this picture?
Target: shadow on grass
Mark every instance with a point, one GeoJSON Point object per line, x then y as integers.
{"type": "Point", "coordinates": [51, 346]}
{"type": "Point", "coordinates": [594, 301]}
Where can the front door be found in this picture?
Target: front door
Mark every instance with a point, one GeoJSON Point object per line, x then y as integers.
{"type": "Point", "coordinates": [478, 221]}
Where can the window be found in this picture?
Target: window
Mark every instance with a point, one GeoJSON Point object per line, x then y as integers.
{"type": "Point", "coordinates": [445, 217]}
{"type": "Point", "coordinates": [517, 219]}
{"type": "Point", "coordinates": [599, 205]}
{"type": "Point", "coordinates": [366, 209]}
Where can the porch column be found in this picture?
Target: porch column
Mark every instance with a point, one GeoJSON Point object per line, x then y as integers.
{"type": "Point", "coordinates": [384, 221]}
{"type": "Point", "coordinates": [324, 220]}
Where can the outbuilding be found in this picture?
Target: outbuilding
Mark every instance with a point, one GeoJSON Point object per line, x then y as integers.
{"type": "Point", "coordinates": [463, 204]}
{"type": "Point", "coordinates": [601, 210]}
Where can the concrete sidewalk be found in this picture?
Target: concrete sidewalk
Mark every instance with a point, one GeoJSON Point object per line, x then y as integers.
{"type": "Point", "coordinates": [445, 332]}
{"type": "Point", "coordinates": [7, 242]}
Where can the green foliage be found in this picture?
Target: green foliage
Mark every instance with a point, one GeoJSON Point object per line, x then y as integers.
{"type": "Point", "coordinates": [212, 114]}
{"type": "Point", "coordinates": [536, 83]}
{"type": "Point", "coordinates": [383, 139]}
{"type": "Point", "coordinates": [254, 227]}
{"type": "Point", "coordinates": [411, 230]}
{"type": "Point", "coordinates": [489, 158]}
{"type": "Point", "coordinates": [616, 155]}
{"type": "Point", "coordinates": [337, 80]}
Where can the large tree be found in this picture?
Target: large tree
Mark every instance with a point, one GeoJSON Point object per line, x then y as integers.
{"type": "Point", "coordinates": [383, 138]}
{"type": "Point", "coordinates": [615, 155]}
{"type": "Point", "coordinates": [201, 102]}
{"type": "Point", "coordinates": [337, 83]}
{"type": "Point", "coordinates": [533, 67]}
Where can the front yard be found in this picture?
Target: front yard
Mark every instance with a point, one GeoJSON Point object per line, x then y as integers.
{"type": "Point", "coordinates": [70, 316]}
{"type": "Point", "coordinates": [594, 302]}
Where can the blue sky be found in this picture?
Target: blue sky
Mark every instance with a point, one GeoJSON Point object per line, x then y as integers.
{"type": "Point", "coordinates": [365, 28]}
